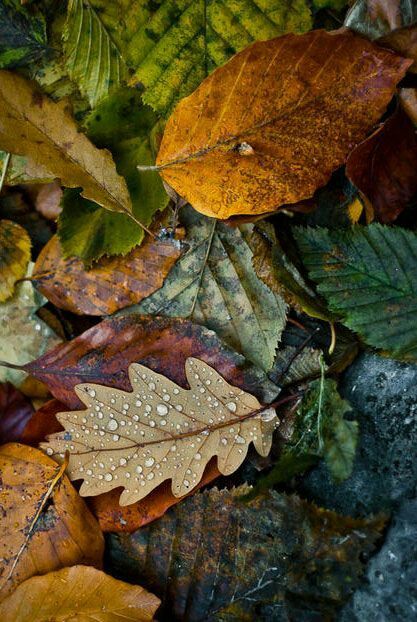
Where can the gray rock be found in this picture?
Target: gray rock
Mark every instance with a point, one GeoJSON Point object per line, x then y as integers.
{"type": "Point", "coordinates": [383, 393]}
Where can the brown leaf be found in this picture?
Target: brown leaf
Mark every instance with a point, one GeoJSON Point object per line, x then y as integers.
{"type": "Point", "coordinates": [116, 518]}
{"type": "Point", "coordinates": [35, 126]}
{"type": "Point", "coordinates": [41, 529]}
{"type": "Point", "coordinates": [404, 42]}
{"type": "Point", "coordinates": [111, 284]}
{"type": "Point", "coordinates": [387, 11]}
{"type": "Point", "coordinates": [78, 593]}
{"type": "Point", "coordinates": [42, 423]}
{"type": "Point", "coordinates": [160, 431]}
{"type": "Point", "coordinates": [384, 166]}
{"type": "Point", "coordinates": [103, 353]}
{"type": "Point", "coordinates": [270, 126]}
{"type": "Point", "coordinates": [15, 412]}
{"type": "Point", "coordinates": [48, 200]}
{"type": "Point", "coordinates": [408, 100]}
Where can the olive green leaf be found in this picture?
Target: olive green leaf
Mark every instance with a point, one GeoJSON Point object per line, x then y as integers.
{"type": "Point", "coordinates": [214, 284]}
{"type": "Point", "coordinates": [368, 275]}
{"type": "Point", "coordinates": [14, 256]}
{"type": "Point", "coordinates": [22, 34]}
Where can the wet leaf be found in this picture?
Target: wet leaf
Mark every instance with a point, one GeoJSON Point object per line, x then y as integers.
{"type": "Point", "coordinates": [216, 557]}
{"type": "Point", "coordinates": [180, 43]}
{"type": "Point", "coordinates": [34, 126]}
{"type": "Point", "coordinates": [14, 256]}
{"type": "Point", "coordinates": [103, 353]}
{"type": "Point", "coordinates": [373, 18]}
{"type": "Point", "coordinates": [15, 412]}
{"type": "Point", "coordinates": [22, 34]}
{"type": "Point", "coordinates": [110, 284]}
{"type": "Point", "coordinates": [383, 167]}
{"type": "Point", "coordinates": [365, 275]}
{"type": "Point", "coordinates": [43, 527]}
{"type": "Point", "coordinates": [24, 336]}
{"type": "Point", "coordinates": [78, 593]}
{"type": "Point", "coordinates": [160, 431]}
{"type": "Point", "coordinates": [214, 284]}
{"type": "Point", "coordinates": [247, 118]}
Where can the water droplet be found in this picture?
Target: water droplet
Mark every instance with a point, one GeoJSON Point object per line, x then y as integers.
{"type": "Point", "coordinates": [231, 406]}
{"type": "Point", "coordinates": [112, 425]}
{"type": "Point", "coordinates": [152, 424]}
{"type": "Point", "coordinates": [126, 406]}
{"type": "Point", "coordinates": [176, 391]}
{"type": "Point", "coordinates": [239, 439]}
{"type": "Point", "coordinates": [139, 469]}
{"type": "Point", "coordinates": [162, 410]}
{"type": "Point", "coordinates": [173, 448]}
{"type": "Point", "coordinates": [150, 475]}
{"type": "Point", "coordinates": [138, 403]}
{"type": "Point", "coordinates": [116, 437]}
{"type": "Point", "coordinates": [91, 392]}
{"type": "Point", "coordinates": [148, 408]}
{"type": "Point", "coordinates": [163, 422]}
{"type": "Point", "coordinates": [197, 456]}
{"type": "Point", "coordinates": [224, 441]}
{"type": "Point", "coordinates": [149, 462]}
{"type": "Point", "coordinates": [50, 451]}
{"type": "Point", "coordinates": [186, 483]}
{"type": "Point", "coordinates": [179, 407]}
{"type": "Point", "coordinates": [108, 477]}
{"type": "Point", "coordinates": [268, 415]}
{"type": "Point", "coordinates": [89, 472]}
{"type": "Point", "coordinates": [122, 461]}
{"type": "Point", "coordinates": [152, 386]}
{"type": "Point", "coordinates": [166, 397]}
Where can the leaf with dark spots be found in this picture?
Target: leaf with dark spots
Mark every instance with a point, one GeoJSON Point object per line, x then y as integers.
{"type": "Point", "coordinates": [103, 354]}
{"type": "Point", "coordinates": [214, 557]}
{"type": "Point", "coordinates": [15, 412]}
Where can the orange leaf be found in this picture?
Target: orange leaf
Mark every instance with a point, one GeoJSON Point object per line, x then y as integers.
{"type": "Point", "coordinates": [270, 126]}
{"type": "Point", "coordinates": [45, 525]}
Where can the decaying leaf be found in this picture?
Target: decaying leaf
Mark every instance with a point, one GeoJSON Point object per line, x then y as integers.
{"type": "Point", "coordinates": [366, 275]}
{"type": "Point", "coordinates": [36, 536]}
{"type": "Point", "coordinates": [214, 284]}
{"type": "Point", "coordinates": [15, 412]}
{"type": "Point", "coordinates": [78, 593]}
{"type": "Point", "coordinates": [374, 18]}
{"type": "Point", "coordinates": [14, 256]}
{"type": "Point", "coordinates": [383, 167]}
{"type": "Point", "coordinates": [160, 431]}
{"type": "Point", "coordinates": [276, 121]}
{"type": "Point", "coordinates": [403, 41]}
{"type": "Point", "coordinates": [110, 284]}
{"type": "Point", "coordinates": [24, 336]}
{"type": "Point", "coordinates": [21, 170]}
{"type": "Point", "coordinates": [214, 557]}
{"type": "Point", "coordinates": [22, 34]}
{"type": "Point", "coordinates": [103, 353]}
{"type": "Point", "coordinates": [34, 126]}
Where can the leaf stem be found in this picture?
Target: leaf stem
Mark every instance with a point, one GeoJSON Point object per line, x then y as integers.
{"type": "Point", "coordinates": [11, 365]}
{"type": "Point", "coordinates": [4, 171]}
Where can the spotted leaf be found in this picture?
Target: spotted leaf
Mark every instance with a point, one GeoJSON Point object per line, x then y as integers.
{"type": "Point", "coordinates": [160, 431]}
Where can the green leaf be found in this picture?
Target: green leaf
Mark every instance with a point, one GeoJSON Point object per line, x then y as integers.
{"type": "Point", "coordinates": [22, 34]}
{"type": "Point", "coordinates": [214, 284]}
{"type": "Point", "coordinates": [92, 59]}
{"type": "Point", "coordinates": [337, 5]}
{"type": "Point", "coordinates": [130, 130]}
{"type": "Point", "coordinates": [368, 275]}
{"type": "Point", "coordinates": [179, 42]}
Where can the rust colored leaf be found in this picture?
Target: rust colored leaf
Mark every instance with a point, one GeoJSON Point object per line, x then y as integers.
{"type": "Point", "coordinates": [110, 284]}
{"type": "Point", "coordinates": [103, 354]}
{"type": "Point", "coordinates": [404, 42]}
{"type": "Point", "coordinates": [384, 166]}
{"type": "Point", "coordinates": [78, 593]}
{"type": "Point", "coordinates": [270, 126]}
{"type": "Point", "coordinates": [116, 518]}
{"type": "Point", "coordinates": [15, 412]}
{"type": "Point", "coordinates": [42, 423]}
{"type": "Point", "coordinates": [41, 529]}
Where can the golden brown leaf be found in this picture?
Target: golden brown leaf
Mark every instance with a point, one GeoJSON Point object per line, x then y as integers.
{"type": "Point", "coordinates": [160, 431]}
{"type": "Point", "coordinates": [79, 593]}
{"type": "Point", "coordinates": [14, 256]}
{"type": "Point", "coordinates": [33, 125]}
{"type": "Point", "coordinates": [111, 284]}
{"type": "Point", "coordinates": [41, 529]}
{"type": "Point", "coordinates": [270, 126]}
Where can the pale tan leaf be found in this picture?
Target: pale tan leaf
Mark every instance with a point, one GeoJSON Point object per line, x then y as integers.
{"type": "Point", "coordinates": [160, 431]}
{"type": "Point", "coordinates": [32, 125]}
{"type": "Point", "coordinates": [78, 594]}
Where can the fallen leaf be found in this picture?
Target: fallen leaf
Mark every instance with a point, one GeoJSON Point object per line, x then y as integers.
{"type": "Point", "coordinates": [362, 274]}
{"type": "Point", "coordinates": [35, 126]}
{"type": "Point", "coordinates": [216, 557]}
{"type": "Point", "coordinates": [113, 517]}
{"type": "Point", "coordinates": [177, 431]}
{"type": "Point", "coordinates": [51, 529]}
{"type": "Point", "coordinates": [103, 353]}
{"type": "Point", "coordinates": [22, 34]}
{"type": "Point", "coordinates": [24, 336]}
{"type": "Point", "coordinates": [110, 284]}
{"type": "Point", "coordinates": [180, 44]}
{"type": "Point", "coordinates": [403, 41]}
{"type": "Point", "coordinates": [15, 412]}
{"type": "Point", "coordinates": [48, 200]}
{"type": "Point", "coordinates": [408, 100]}
{"type": "Point", "coordinates": [42, 423]}
{"type": "Point", "coordinates": [214, 284]}
{"type": "Point", "coordinates": [78, 593]}
{"type": "Point", "coordinates": [373, 18]}
{"type": "Point", "coordinates": [383, 167]}
{"type": "Point", "coordinates": [247, 120]}
{"type": "Point", "coordinates": [14, 256]}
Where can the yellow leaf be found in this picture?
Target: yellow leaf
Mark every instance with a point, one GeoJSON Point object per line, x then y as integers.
{"type": "Point", "coordinates": [14, 256]}
{"type": "Point", "coordinates": [355, 210]}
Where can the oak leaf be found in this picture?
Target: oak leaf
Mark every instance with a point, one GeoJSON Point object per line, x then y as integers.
{"type": "Point", "coordinates": [35, 126]}
{"type": "Point", "coordinates": [14, 256]}
{"type": "Point", "coordinates": [45, 525]}
{"type": "Point", "coordinates": [110, 284]}
{"type": "Point", "coordinates": [78, 593]}
{"type": "Point", "coordinates": [270, 126]}
{"type": "Point", "coordinates": [160, 431]}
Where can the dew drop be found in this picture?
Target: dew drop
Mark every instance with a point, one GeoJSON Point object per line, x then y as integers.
{"type": "Point", "coordinates": [162, 410]}
{"type": "Point", "coordinates": [240, 440]}
{"type": "Point", "coordinates": [179, 407]}
{"type": "Point", "coordinates": [150, 475]}
{"type": "Point", "coordinates": [231, 406]}
{"type": "Point", "coordinates": [91, 392]}
{"type": "Point", "coordinates": [112, 425]}
{"type": "Point", "coordinates": [108, 477]}
{"type": "Point", "coordinates": [197, 456]}
{"type": "Point", "coordinates": [186, 483]}
{"type": "Point", "coordinates": [149, 462]}
{"type": "Point", "coordinates": [116, 437]}
{"type": "Point", "coordinates": [50, 451]}
{"type": "Point", "coordinates": [224, 441]}
{"type": "Point", "coordinates": [139, 469]}
{"type": "Point", "coordinates": [138, 403]}
{"type": "Point", "coordinates": [152, 386]}
{"type": "Point", "coordinates": [175, 391]}
{"type": "Point", "coordinates": [152, 424]}
{"type": "Point", "coordinates": [89, 472]}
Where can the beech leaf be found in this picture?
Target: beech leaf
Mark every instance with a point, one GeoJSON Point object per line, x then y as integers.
{"type": "Point", "coordinates": [276, 121]}
{"type": "Point", "coordinates": [14, 256]}
{"type": "Point", "coordinates": [35, 126]}
{"type": "Point", "coordinates": [78, 593]}
{"type": "Point", "coordinates": [160, 431]}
